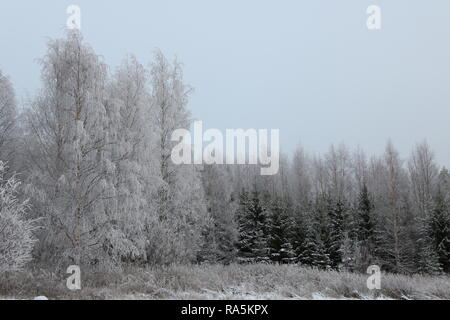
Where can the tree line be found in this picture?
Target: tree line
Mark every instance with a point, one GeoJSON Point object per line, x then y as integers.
{"type": "Point", "coordinates": [92, 152]}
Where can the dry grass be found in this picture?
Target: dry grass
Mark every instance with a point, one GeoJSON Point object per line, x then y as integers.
{"type": "Point", "coordinates": [226, 282]}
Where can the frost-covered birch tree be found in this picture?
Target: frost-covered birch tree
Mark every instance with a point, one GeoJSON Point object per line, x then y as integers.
{"type": "Point", "coordinates": [394, 212]}
{"type": "Point", "coordinates": [423, 174]}
{"type": "Point", "coordinates": [8, 117]}
{"type": "Point", "coordinates": [132, 143]}
{"type": "Point", "coordinates": [68, 153]}
{"type": "Point", "coordinates": [179, 198]}
{"type": "Point", "coordinates": [301, 178]}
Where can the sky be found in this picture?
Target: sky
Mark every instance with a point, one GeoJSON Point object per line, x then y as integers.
{"type": "Point", "coordinates": [310, 68]}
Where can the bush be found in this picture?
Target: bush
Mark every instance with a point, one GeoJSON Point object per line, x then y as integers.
{"type": "Point", "coordinates": [16, 231]}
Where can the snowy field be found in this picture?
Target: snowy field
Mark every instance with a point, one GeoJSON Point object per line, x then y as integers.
{"type": "Point", "coordinates": [225, 282]}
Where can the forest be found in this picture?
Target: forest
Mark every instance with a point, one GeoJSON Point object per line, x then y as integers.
{"type": "Point", "coordinates": [87, 179]}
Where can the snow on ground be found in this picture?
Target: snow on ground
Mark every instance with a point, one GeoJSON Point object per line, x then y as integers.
{"type": "Point", "coordinates": [12, 298]}
{"type": "Point", "coordinates": [226, 295]}
{"type": "Point", "coordinates": [237, 294]}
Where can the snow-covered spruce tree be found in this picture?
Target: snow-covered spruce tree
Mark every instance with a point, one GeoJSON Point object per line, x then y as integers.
{"type": "Point", "coordinates": [350, 253]}
{"type": "Point", "coordinates": [365, 230]}
{"type": "Point", "coordinates": [337, 216]}
{"type": "Point", "coordinates": [439, 230]}
{"type": "Point", "coordinates": [252, 221]}
{"type": "Point", "coordinates": [427, 259]}
{"type": "Point", "coordinates": [16, 229]}
{"type": "Point", "coordinates": [313, 252]}
{"type": "Point", "coordinates": [300, 227]}
{"type": "Point", "coordinates": [280, 233]}
{"type": "Point", "coordinates": [365, 223]}
{"type": "Point", "coordinates": [69, 165]}
{"type": "Point", "coordinates": [441, 220]}
{"type": "Point", "coordinates": [221, 237]}
{"type": "Point", "coordinates": [245, 233]}
{"type": "Point", "coordinates": [179, 197]}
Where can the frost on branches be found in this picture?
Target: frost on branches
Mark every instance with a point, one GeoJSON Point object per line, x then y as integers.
{"type": "Point", "coordinates": [16, 230]}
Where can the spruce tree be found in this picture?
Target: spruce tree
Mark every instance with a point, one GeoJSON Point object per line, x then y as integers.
{"type": "Point", "coordinates": [427, 258]}
{"type": "Point", "coordinates": [350, 252]}
{"type": "Point", "coordinates": [208, 252]}
{"type": "Point", "coordinates": [221, 237]}
{"type": "Point", "coordinates": [365, 228]}
{"type": "Point", "coordinates": [280, 233]}
{"type": "Point", "coordinates": [439, 227]}
{"type": "Point", "coordinates": [312, 252]}
{"type": "Point", "coordinates": [335, 239]}
{"type": "Point", "coordinates": [252, 216]}
{"type": "Point", "coordinates": [299, 229]}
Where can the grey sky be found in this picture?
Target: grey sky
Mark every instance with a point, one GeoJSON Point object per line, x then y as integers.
{"type": "Point", "coordinates": [310, 68]}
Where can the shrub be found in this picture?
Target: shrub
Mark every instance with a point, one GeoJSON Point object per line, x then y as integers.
{"type": "Point", "coordinates": [16, 231]}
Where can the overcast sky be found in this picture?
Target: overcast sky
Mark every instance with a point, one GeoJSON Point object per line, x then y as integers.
{"type": "Point", "coordinates": [310, 68]}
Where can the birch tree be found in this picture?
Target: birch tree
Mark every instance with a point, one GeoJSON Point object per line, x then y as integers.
{"type": "Point", "coordinates": [423, 174]}
{"type": "Point", "coordinates": [338, 165]}
{"type": "Point", "coordinates": [179, 197]}
{"type": "Point", "coordinates": [8, 116]}
{"type": "Point", "coordinates": [131, 145]}
{"type": "Point", "coordinates": [395, 240]}
{"type": "Point", "coordinates": [68, 148]}
{"type": "Point", "coordinates": [300, 178]}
